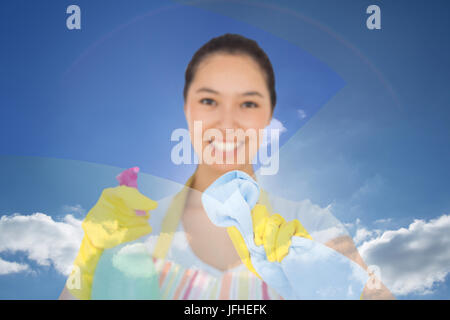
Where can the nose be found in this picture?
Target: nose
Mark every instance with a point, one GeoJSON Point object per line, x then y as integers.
{"type": "Point", "coordinates": [228, 118]}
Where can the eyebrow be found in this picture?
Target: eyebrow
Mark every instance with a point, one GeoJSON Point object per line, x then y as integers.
{"type": "Point", "coordinates": [248, 93]}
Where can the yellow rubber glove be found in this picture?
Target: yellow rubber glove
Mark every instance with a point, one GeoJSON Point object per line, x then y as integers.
{"type": "Point", "coordinates": [271, 231]}
{"type": "Point", "coordinates": [112, 221]}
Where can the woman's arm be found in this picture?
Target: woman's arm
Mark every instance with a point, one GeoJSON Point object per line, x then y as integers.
{"type": "Point", "coordinates": [346, 246]}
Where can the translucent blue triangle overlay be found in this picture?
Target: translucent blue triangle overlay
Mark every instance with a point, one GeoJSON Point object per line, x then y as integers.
{"type": "Point", "coordinates": [113, 96]}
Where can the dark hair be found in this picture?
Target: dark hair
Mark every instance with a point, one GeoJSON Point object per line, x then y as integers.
{"type": "Point", "coordinates": [232, 43]}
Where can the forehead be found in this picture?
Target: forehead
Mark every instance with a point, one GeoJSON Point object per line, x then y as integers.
{"type": "Point", "coordinates": [226, 68]}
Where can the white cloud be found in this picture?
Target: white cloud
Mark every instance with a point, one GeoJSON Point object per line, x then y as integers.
{"type": "Point", "coordinates": [369, 187]}
{"type": "Point", "coordinates": [351, 225]}
{"type": "Point", "coordinates": [387, 220]}
{"type": "Point", "coordinates": [275, 124]}
{"type": "Point", "coordinates": [76, 209]}
{"type": "Point", "coordinates": [42, 239]}
{"type": "Point", "coordinates": [413, 259]}
{"type": "Point", "coordinates": [301, 114]}
{"type": "Point", "coordinates": [7, 267]}
{"type": "Point", "coordinates": [363, 234]}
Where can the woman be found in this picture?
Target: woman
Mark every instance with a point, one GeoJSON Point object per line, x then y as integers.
{"type": "Point", "coordinates": [229, 84]}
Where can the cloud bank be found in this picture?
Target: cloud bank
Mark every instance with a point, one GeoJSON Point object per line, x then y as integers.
{"type": "Point", "coordinates": [412, 260]}
{"type": "Point", "coordinates": [44, 241]}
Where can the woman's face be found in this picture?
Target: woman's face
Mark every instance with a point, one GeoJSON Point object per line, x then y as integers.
{"type": "Point", "coordinates": [230, 99]}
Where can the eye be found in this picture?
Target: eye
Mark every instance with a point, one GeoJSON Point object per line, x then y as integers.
{"type": "Point", "coordinates": [208, 101]}
{"type": "Point", "coordinates": [249, 104]}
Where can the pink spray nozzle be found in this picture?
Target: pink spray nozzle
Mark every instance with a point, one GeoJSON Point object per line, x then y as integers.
{"type": "Point", "coordinates": [128, 178]}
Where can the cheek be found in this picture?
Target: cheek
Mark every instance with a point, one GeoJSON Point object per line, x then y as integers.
{"type": "Point", "coordinates": [255, 118]}
{"type": "Point", "coordinates": [254, 137]}
{"type": "Point", "coordinates": [196, 113]}
{"type": "Point", "coordinates": [198, 129]}
{"type": "Point", "coordinates": [257, 124]}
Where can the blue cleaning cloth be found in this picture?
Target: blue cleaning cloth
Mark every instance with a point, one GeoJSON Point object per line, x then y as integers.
{"type": "Point", "coordinates": [310, 270]}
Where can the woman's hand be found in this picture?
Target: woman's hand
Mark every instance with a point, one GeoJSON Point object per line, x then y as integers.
{"type": "Point", "coordinates": [120, 215]}
{"type": "Point", "coordinates": [270, 231]}
{"type": "Point", "coordinates": [274, 233]}
{"type": "Point", "coordinates": [296, 267]}
{"type": "Point", "coordinates": [113, 219]}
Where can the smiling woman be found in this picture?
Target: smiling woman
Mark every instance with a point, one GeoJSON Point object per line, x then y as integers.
{"type": "Point", "coordinates": [229, 88]}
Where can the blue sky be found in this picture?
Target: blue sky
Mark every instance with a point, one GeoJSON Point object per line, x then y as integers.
{"type": "Point", "coordinates": [77, 106]}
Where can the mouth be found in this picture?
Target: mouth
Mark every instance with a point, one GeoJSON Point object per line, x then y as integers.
{"type": "Point", "coordinates": [226, 146]}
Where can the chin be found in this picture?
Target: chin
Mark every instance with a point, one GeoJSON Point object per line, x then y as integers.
{"type": "Point", "coordinates": [223, 168]}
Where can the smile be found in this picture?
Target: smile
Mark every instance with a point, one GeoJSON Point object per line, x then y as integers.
{"type": "Point", "coordinates": [224, 146]}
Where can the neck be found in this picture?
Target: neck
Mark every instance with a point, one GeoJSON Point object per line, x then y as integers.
{"type": "Point", "coordinates": [205, 175]}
